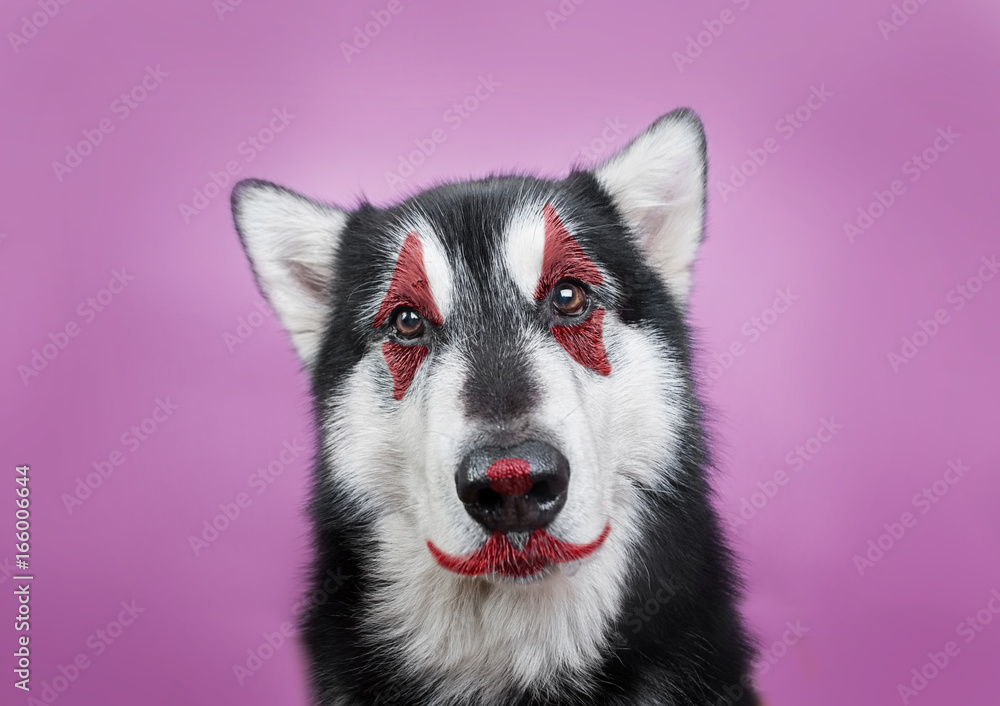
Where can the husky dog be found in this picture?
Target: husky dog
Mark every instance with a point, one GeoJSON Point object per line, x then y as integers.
{"type": "Point", "coordinates": [511, 480]}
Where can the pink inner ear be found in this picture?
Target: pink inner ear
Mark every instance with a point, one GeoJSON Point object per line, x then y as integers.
{"type": "Point", "coordinates": [563, 257]}
{"type": "Point", "coordinates": [409, 286]}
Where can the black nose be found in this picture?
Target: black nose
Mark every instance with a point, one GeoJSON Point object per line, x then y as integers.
{"type": "Point", "coordinates": [514, 489]}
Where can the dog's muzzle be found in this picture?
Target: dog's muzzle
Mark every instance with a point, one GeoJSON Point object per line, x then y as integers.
{"type": "Point", "coordinates": [515, 489]}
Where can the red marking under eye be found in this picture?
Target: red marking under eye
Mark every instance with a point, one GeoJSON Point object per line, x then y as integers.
{"type": "Point", "coordinates": [409, 285]}
{"type": "Point", "coordinates": [563, 257]}
{"type": "Point", "coordinates": [584, 342]}
{"type": "Point", "coordinates": [403, 363]}
{"type": "Point", "coordinates": [510, 476]}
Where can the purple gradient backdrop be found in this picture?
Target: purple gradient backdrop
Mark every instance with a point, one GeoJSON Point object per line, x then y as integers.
{"type": "Point", "coordinates": [164, 337]}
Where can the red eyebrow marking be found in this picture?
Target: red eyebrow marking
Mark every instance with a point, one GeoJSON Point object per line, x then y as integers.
{"type": "Point", "coordinates": [563, 257]}
{"type": "Point", "coordinates": [409, 286]}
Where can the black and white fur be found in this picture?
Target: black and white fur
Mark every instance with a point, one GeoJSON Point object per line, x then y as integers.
{"type": "Point", "coordinates": [651, 617]}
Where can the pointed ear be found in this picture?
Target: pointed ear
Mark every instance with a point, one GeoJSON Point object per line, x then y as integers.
{"type": "Point", "coordinates": [658, 183]}
{"type": "Point", "coordinates": [291, 241]}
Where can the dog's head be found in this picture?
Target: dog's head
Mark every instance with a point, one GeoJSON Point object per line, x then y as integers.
{"type": "Point", "coordinates": [499, 365]}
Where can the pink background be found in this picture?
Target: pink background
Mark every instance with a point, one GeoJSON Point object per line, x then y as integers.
{"type": "Point", "coordinates": [167, 336]}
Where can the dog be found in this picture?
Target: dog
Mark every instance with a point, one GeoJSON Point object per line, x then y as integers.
{"type": "Point", "coordinates": [511, 477]}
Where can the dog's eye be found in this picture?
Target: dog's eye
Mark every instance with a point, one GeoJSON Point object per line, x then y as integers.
{"type": "Point", "coordinates": [408, 323]}
{"type": "Point", "coordinates": [569, 299]}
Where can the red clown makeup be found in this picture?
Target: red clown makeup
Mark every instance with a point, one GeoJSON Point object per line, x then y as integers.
{"type": "Point", "coordinates": [499, 556]}
{"type": "Point", "coordinates": [409, 287]}
{"type": "Point", "coordinates": [564, 258]}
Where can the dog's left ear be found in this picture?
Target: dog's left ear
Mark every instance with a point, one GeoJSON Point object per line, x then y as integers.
{"type": "Point", "coordinates": [291, 241]}
{"type": "Point", "coordinates": [658, 183]}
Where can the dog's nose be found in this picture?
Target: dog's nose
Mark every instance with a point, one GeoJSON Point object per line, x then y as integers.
{"type": "Point", "coordinates": [514, 489]}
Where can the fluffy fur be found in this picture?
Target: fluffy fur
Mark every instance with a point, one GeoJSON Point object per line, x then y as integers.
{"type": "Point", "coordinates": [650, 617]}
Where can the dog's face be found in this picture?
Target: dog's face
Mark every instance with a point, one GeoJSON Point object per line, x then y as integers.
{"type": "Point", "coordinates": [500, 366]}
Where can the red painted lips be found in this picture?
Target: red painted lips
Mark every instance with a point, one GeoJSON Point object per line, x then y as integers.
{"type": "Point", "coordinates": [499, 556]}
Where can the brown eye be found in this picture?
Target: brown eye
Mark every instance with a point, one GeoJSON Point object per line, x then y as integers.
{"type": "Point", "coordinates": [569, 299]}
{"type": "Point", "coordinates": [408, 323]}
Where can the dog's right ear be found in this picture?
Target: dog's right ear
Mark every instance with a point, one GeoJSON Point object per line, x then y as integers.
{"type": "Point", "coordinates": [291, 241]}
{"type": "Point", "coordinates": [658, 181]}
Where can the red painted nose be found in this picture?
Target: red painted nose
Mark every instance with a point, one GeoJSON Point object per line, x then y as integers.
{"type": "Point", "coordinates": [516, 489]}
{"type": "Point", "coordinates": [510, 476]}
